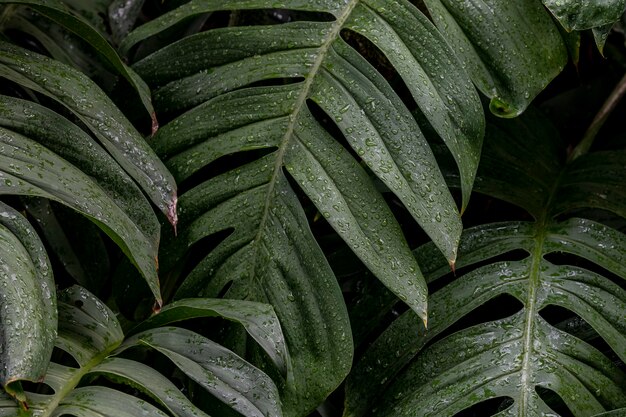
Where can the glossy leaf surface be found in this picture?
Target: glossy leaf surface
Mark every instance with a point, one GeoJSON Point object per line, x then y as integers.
{"type": "Point", "coordinates": [586, 14]}
{"type": "Point", "coordinates": [283, 267]}
{"type": "Point", "coordinates": [90, 333]}
{"type": "Point", "coordinates": [27, 302]}
{"type": "Point", "coordinates": [511, 49]}
{"type": "Point", "coordinates": [228, 377]}
{"type": "Point", "coordinates": [340, 81]}
{"type": "Point", "coordinates": [45, 155]}
{"type": "Point", "coordinates": [60, 13]}
{"type": "Point", "coordinates": [258, 319]}
{"type": "Point", "coordinates": [85, 100]}
{"type": "Point", "coordinates": [509, 358]}
{"type": "Point", "coordinates": [266, 248]}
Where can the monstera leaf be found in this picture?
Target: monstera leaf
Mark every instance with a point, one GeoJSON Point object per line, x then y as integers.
{"type": "Point", "coordinates": [511, 49]}
{"type": "Point", "coordinates": [99, 174]}
{"type": "Point", "coordinates": [265, 90]}
{"type": "Point", "coordinates": [89, 30]}
{"type": "Point", "coordinates": [27, 302]}
{"type": "Point", "coordinates": [523, 356]}
{"type": "Point", "coordinates": [91, 335]}
{"type": "Point", "coordinates": [596, 15]}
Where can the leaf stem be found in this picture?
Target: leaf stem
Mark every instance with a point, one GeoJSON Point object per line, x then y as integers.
{"type": "Point", "coordinates": [601, 117]}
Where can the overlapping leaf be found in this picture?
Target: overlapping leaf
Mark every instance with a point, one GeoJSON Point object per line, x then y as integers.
{"type": "Point", "coordinates": [90, 333]}
{"type": "Point", "coordinates": [268, 252]}
{"type": "Point", "coordinates": [44, 154]}
{"type": "Point", "coordinates": [61, 14]}
{"type": "Point", "coordinates": [74, 240]}
{"type": "Point", "coordinates": [511, 49]}
{"type": "Point", "coordinates": [579, 15]}
{"type": "Point", "coordinates": [403, 374]}
{"type": "Point", "coordinates": [27, 303]}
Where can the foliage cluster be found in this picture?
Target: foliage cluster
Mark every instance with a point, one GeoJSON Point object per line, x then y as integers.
{"type": "Point", "coordinates": [269, 202]}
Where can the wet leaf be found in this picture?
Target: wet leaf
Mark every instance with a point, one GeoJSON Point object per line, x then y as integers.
{"type": "Point", "coordinates": [258, 319]}
{"type": "Point", "coordinates": [90, 333]}
{"type": "Point", "coordinates": [586, 14]}
{"type": "Point", "coordinates": [511, 49]}
{"type": "Point", "coordinates": [409, 370]}
{"type": "Point", "coordinates": [75, 171]}
{"type": "Point", "coordinates": [149, 381]}
{"type": "Point", "coordinates": [83, 98]}
{"type": "Point", "coordinates": [59, 13]}
{"type": "Point", "coordinates": [228, 377]}
{"type": "Point", "coordinates": [268, 252]}
{"type": "Point", "coordinates": [28, 310]}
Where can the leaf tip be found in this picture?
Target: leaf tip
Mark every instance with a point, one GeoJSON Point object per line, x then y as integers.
{"type": "Point", "coordinates": [452, 263]}
{"type": "Point", "coordinates": [155, 124]}
{"type": "Point", "coordinates": [156, 308]}
{"type": "Point", "coordinates": [172, 215]}
{"type": "Point", "coordinates": [14, 388]}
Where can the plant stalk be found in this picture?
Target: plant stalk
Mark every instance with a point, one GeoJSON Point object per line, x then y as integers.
{"type": "Point", "coordinates": [601, 117]}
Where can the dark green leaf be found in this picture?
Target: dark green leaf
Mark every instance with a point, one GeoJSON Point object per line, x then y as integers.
{"type": "Point", "coordinates": [511, 49]}
{"type": "Point", "coordinates": [113, 203]}
{"type": "Point", "coordinates": [586, 14]}
{"type": "Point", "coordinates": [86, 260]}
{"type": "Point", "coordinates": [59, 13]}
{"type": "Point", "coordinates": [601, 34]}
{"type": "Point", "coordinates": [258, 319]}
{"type": "Point", "coordinates": [150, 382]}
{"type": "Point", "coordinates": [105, 402]}
{"type": "Point", "coordinates": [222, 373]}
{"type": "Point", "coordinates": [93, 107]}
{"type": "Point", "coordinates": [90, 333]}
{"type": "Point", "coordinates": [275, 261]}
{"type": "Point", "coordinates": [406, 372]}
{"type": "Point", "coordinates": [28, 310]}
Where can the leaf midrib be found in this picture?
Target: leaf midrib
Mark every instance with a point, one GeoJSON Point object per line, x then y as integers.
{"type": "Point", "coordinates": [299, 104]}
{"type": "Point", "coordinates": [74, 380]}
{"type": "Point", "coordinates": [534, 282]}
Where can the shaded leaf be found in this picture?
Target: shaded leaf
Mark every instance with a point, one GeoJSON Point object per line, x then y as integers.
{"type": "Point", "coordinates": [90, 333]}
{"type": "Point", "coordinates": [511, 49]}
{"type": "Point", "coordinates": [225, 375]}
{"type": "Point", "coordinates": [86, 260]}
{"type": "Point", "coordinates": [276, 261]}
{"type": "Point", "coordinates": [59, 13]}
{"type": "Point", "coordinates": [402, 373]}
{"type": "Point", "coordinates": [586, 14]}
{"type": "Point", "coordinates": [122, 17]}
{"type": "Point", "coordinates": [258, 319]}
{"type": "Point", "coordinates": [113, 202]}
{"type": "Point", "coordinates": [266, 251]}
{"type": "Point", "coordinates": [28, 310]}
{"type": "Point", "coordinates": [151, 382]}
{"type": "Point", "coordinates": [104, 120]}
{"type": "Point", "coordinates": [601, 34]}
